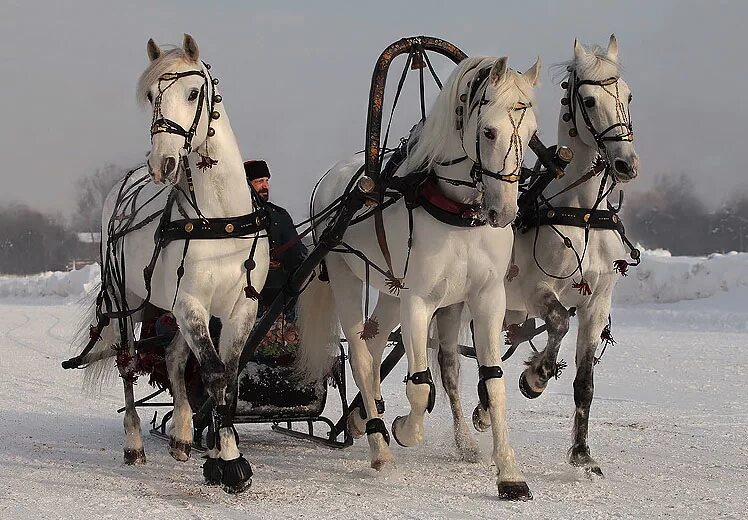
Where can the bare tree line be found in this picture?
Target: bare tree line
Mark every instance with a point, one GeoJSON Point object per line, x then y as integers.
{"type": "Point", "coordinates": [670, 216]}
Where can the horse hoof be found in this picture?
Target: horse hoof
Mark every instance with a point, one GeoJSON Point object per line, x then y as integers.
{"type": "Point", "coordinates": [478, 423]}
{"type": "Point", "coordinates": [353, 428]}
{"type": "Point", "coordinates": [394, 430]}
{"type": "Point", "coordinates": [524, 387]}
{"type": "Point", "coordinates": [179, 450]}
{"type": "Point", "coordinates": [381, 464]}
{"type": "Point", "coordinates": [580, 457]}
{"type": "Point", "coordinates": [237, 475]}
{"type": "Point", "coordinates": [133, 457]}
{"type": "Point", "coordinates": [514, 491]}
{"type": "Point", "coordinates": [213, 471]}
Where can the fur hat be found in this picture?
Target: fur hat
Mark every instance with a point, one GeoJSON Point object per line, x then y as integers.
{"type": "Point", "coordinates": [256, 170]}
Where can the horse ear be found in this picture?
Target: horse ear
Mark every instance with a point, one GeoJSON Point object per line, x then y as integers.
{"type": "Point", "coordinates": [154, 51]}
{"type": "Point", "coordinates": [190, 48]}
{"type": "Point", "coordinates": [579, 51]}
{"type": "Point", "coordinates": [498, 71]}
{"type": "Point", "coordinates": [612, 51]}
{"type": "Point", "coordinates": [533, 73]}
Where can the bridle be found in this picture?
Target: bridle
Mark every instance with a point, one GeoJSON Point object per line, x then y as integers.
{"type": "Point", "coordinates": [573, 100]}
{"type": "Point", "coordinates": [468, 105]}
{"type": "Point", "coordinates": [161, 124]}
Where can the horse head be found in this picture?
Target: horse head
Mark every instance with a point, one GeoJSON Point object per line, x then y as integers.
{"type": "Point", "coordinates": [182, 94]}
{"type": "Point", "coordinates": [598, 100]}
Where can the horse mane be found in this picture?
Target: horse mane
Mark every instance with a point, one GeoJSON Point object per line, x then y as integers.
{"type": "Point", "coordinates": [595, 65]}
{"type": "Point", "coordinates": [169, 59]}
{"type": "Point", "coordinates": [440, 123]}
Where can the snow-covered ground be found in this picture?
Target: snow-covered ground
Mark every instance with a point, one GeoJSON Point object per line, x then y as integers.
{"type": "Point", "coordinates": [669, 424]}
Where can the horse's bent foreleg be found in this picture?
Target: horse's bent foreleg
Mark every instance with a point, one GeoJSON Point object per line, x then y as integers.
{"type": "Point", "coordinates": [347, 293]}
{"type": "Point", "coordinates": [592, 321]}
{"type": "Point", "coordinates": [180, 435]}
{"type": "Point", "coordinates": [488, 314]}
{"type": "Point", "coordinates": [448, 328]}
{"type": "Point", "coordinates": [543, 365]}
{"type": "Point", "coordinates": [192, 318]}
{"type": "Point", "coordinates": [387, 316]}
{"type": "Point", "coordinates": [416, 317]}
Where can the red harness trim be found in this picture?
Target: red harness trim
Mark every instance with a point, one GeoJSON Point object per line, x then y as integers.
{"type": "Point", "coordinates": [435, 196]}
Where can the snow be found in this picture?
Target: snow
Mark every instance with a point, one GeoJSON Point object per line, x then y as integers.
{"type": "Point", "coordinates": [668, 425]}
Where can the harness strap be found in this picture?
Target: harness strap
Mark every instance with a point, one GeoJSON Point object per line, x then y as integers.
{"type": "Point", "coordinates": [485, 373]}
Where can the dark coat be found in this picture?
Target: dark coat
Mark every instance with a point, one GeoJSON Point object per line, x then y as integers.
{"type": "Point", "coordinates": [280, 232]}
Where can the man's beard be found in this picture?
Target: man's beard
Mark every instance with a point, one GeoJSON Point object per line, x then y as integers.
{"type": "Point", "coordinates": [264, 194]}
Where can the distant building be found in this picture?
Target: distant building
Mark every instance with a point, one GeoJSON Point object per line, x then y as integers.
{"type": "Point", "coordinates": [86, 250]}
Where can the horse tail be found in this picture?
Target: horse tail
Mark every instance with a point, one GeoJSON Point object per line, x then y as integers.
{"type": "Point", "coordinates": [319, 331]}
{"type": "Point", "coordinates": [99, 362]}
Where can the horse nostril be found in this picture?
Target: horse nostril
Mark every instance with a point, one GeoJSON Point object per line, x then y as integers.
{"type": "Point", "coordinates": [168, 166]}
{"type": "Point", "coordinates": [622, 166]}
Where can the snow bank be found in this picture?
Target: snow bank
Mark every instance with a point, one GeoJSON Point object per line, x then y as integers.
{"type": "Point", "coordinates": [67, 284]}
{"type": "Point", "coordinates": [661, 278]}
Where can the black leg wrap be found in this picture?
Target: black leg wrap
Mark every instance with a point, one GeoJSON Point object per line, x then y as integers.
{"type": "Point", "coordinates": [380, 408]}
{"type": "Point", "coordinates": [237, 475]}
{"type": "Point", "coordinates": [213, 471]}
{"type": "Point", "coordinates": [424, 378]}
{"type": "Point", "coordinates": [485, 373]}
{"type": "Point", "coordinates": [377, 426]}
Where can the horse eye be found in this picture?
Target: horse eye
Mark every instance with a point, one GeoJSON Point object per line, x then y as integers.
{"type": "Point", "coordinates": [589, 102]}
{"type": "Point", "coordinates": [193, 95]}
{"type": "Point", "coordinates": [490, 133]}
{"type": "Point", "coordinates": [149, 96]}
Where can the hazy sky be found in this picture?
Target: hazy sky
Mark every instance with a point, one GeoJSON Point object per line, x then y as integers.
{"type": "Point", "coordinates": [295, 79]}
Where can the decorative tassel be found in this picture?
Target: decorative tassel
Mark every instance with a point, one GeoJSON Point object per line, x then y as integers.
{"type": "Point", "coordinates": [94, 332]}
{"type": "Point", "coordinates": [394, 285]}
{"type": "Point", "coordinates": [607, 336]}
{"type": "Point", "coordinates": [621, 267]}
{"type": "Point", "coordinates": [512, 272]}
{"type": "Point", "coordinates": [124, 362]}
{"type": "Point", "coordinates": [371, 329]}
{"type": "Point", "coordinates": [560, 366]}
{"type": "Point", "coordinates": [206, 163]}
{"type": "Point", "coordinates": [583, 287]}
{"type": "Point", "coordinates": [251, 293]}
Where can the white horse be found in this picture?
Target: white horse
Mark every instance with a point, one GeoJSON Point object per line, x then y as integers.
{"type": "Point", "coordinates": [594, 122]}
{"type": "Point", "coordinates": [473, 139]}
{"type": "Point", "coordinates": [190, 132]}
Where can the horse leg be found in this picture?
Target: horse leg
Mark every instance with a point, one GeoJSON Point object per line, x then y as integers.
{"type": "Point", "coordinates": [481, 418]}
{"type": "Point", "coordinates": [126, 358]}
{"type": "Point", "coordinates": [416, 317]}
{"type": "Point", "coordinates": [387, 315]}
{"type": "Point", "coordinates": [592, 321]}
{"type": "Point", "coordinates": [192, 318]}
{"type": "Point", "coordinates": [180, 434]}
{"type": "Point", "coordinates": [347, 289]}
{"type": "Point", "coordinates": [236, 472]}
{"type": "Point", "coordinates": [543, 365]}
{"type": "Point", "coordinates": [488, 313]}
{"type": "Point", "coordinates": [448, 322]}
